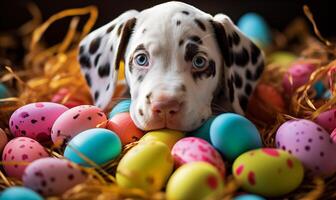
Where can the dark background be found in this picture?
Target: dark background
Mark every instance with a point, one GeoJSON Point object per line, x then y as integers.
{"type": "Point", "coordinates": [277, 13]}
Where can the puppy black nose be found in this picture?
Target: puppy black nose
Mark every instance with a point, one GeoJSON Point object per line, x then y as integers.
{"type": "Point", "coordinates": [169, 106]}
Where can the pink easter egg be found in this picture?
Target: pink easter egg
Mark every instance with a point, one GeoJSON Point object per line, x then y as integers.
{"type": "Point", "coordinates": [192, 149]}
{"type": "Point", "coordinates": [327, 120]}
{"type": "Point", "coordinates": [21, 149]}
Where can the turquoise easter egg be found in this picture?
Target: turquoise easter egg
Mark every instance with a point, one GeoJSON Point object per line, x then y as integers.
{"type": "Point", "coordinates": [97, 144]}
{"type": "Point", "coordinates": [233, 134]}
{"type": "Point", "coordinates": [203, 131]}
{"type": "Point", "coordinates": [249, 197]}
{"type": "Point", "coordinates": [122, 106]}
{"type": "Point", "coordinates": [256, 28]}
{"type": "Point", "coordinates": [327, 95]}
{"type": "Point", "coordinates": [19, 193]}
{"type": "Point", "coordinates": [319, 89]}
{"type": "Point", "coordinates": [4, 92]}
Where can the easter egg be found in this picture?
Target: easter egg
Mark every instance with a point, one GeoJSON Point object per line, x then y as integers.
{"type": "Point", "coordinates": [233, 134]}
{"type": "Point", "coordinates": [296, 76]}
{"type": "Point", "coordinates": [74, 121]}
{"type": "Point", "coordinates": [310, 143]}
{"type": "Point", "coordinates": [282, 58]}
{"type": "Point", "coordinates": [169, 137]}
{"type": "Point", "coordinates": [333, 135]}
{"type": "Point", "coordinates": [327, 120]}
{"type": "Point", "coordinates": [319, 89]}
{"type": "Point", "coordinates": [249, 197]}
{"type": "Point", "coordinates": [19, 152]}
{"type": "Point", "coordinates": [147, 166]}
{"type": "Point", "coordinates": [192, 149]}
{"type": "Point", "coordinates": [197, 180]}
{"type": "Point", "coordinates": [123, 125]}
{"type": "Point", "coordinates": [35, 120]}
{"type": "Point", "coordinates": [19, 193]}
{"type": "Point", "coordinates": [3, 139]}
{"type": "Point", "coordinates": [71, 101]}
{"type": "Point", "coordinates": [268, 172]}
{"type": "Point", "coordinates": [52, 176]}
{"type": "Point", "coordinates": [4, 92]}
{"type": "Point", "coordinates": [121, 107]}
{"type": "Point", "coordinates": [327, 94]}
{"type": "Point", "coordinates": [98, 145]}
{"type": "Point", "coordinates": [203, 131]}
{"type": "Point", "coordinates": [256, 28]}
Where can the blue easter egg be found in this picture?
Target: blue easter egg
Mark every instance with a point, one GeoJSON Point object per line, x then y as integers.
{"type": "Point", "coordinates": [327, 95]}
{"type": "Point", "coordinates": [233, 134]}
{"type": "Point", "coordinates": [97, 144]}
{"type": "Point", "coordinates": [319, 89]}
{"type": "Point", "coordinates": [203, 131]}
{"type": "Point", "coordinates": [255, 27]}
{"type": "Point", "coordinates": [121, 107]}
{"type": "Point", "coordinates": [19, 193]}
{"type": "Point", "coordinates": [4, 92]}
{"type": "Point", "coordinates": [249, 197]}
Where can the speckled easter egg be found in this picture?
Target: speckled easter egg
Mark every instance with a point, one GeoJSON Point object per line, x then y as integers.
{"type": "Point", "coordinates": [19, 193]}
{"type": "Point", "coordinates": [233, 134]}
{"type": "Point", "coordinates": [74, 121]}
{"type": "Point", "coordinates": [296, 76]}
{"type": "Point", "coordinates": [268, 172]}
{"type": "Point", "coordinates": [192, 149]}
{"type": "Point", "coordinates": [24, 150]}
{"type": "Point", "coordinates": [203, 131]}
{"type": "Point", "coordinates": [52, 176]}
{"type": "Point", "coordinates": [123, 125]}
{"type": "Point", "coordinates": [35, 120]}
{"type": "Point", "coordinates": [98, 145]}
{"type": "Point", "coordinates": [121, 107]}
{"type": "Point", "coordinates": [249, 197]}
{"type": "Point", "coordinates": [327, 120]}
{"type": "Point", "coordinates": [196, 181]}
{"type": "Point", "coordinates": [147, 166]}
{"type": "Point", "coordinates": [72, 99]}
{"type": "Point", "coordinates": [169, 137]}
{"type": "Point", "coordinates": [3, 139]}
{"type": "Point", "coordinates": [255, 27]}
{"type": "Point", "coordinates": [310, 143]}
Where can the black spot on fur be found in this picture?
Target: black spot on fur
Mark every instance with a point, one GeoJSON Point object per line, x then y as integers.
{"type": "Point", "coordinates": [185, 12]}
{"type": "Point", "coordinates": [191, 51]}
{"type": "Point", "coordinates": [242, 58]}
{"type": "Point", "coordinates": [88, 79]}
{"type": "Point", "coordinates": [238, 80]}
{"type": "Point", "coordinates": [110, 29]}
{"type": "Point", "coordinates": [249, 74]}
{"type": "Point", "coordinates": [140, 78]}
{"type": "Point", "coordinates": [96, 60]}
{"type": "Point", "coordinates": [200, 24]}
{"type": "Point", "coordinates": [107, 87]}
{"type": "Point", "coordinates": [94, 45]}
{"type": "Point", "coordinates": [255, 53]}
{"type": "Point", "coordinates": [230, 41]}
{"type": "Point", "coordinates": [178, 22]}
{"type": "Point", "coordinates": [119, 29]}
{"type": "Point", "coordinates": [85, 61]}
{"type": "Point", "coordinates": [183, 88]}
{"type": "Point", "coordinates": [130, 64]}
{"type": "Point", "coordinates": [81, 49]}
{"type": "Point", "coordinates": [141, 112]}
{"type": "Point", "coordinates": [196, 39]}
{"type": "Point", "coordinates": [96, 95]}
{"type": "Point", "coordinates": [243, 101]}
{"type": "Point", "coordinates": [259, 70]}
{"type": "Point", "coordinates": [210, 71]}
{"type": "Point", "coordinates": [235, 38]}
{"type": "Point", "coordinates": [111, 48]}
{"type": "Point", "coordinates": [144, 31]}
{"type": "Point", "coordinates": [231, 92]}
{"type": "Point", "coordinates": [104, 70]}
{"type": "Point", "coordinates": [180, 42]}
{"type": "Point", "coordinates": [248, 89]}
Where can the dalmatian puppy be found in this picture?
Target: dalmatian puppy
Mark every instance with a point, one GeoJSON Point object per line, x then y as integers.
{"type": "Point", "coordinates": [180, 62]}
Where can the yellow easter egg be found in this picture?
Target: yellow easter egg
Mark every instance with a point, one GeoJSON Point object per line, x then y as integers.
{"type": "Point", "coordinates": [146, 166]}
{"type": "Point", "coordinates": [169, 137]}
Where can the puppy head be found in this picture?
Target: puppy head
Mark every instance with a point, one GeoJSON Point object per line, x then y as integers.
{"type": "Point", "coordinates": [177, 60]}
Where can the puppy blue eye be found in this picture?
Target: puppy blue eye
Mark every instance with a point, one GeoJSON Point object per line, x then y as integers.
{"type": "Point", "coordinates": [199, 62]}
{"type": "Point", "coordinates": [141, 59]}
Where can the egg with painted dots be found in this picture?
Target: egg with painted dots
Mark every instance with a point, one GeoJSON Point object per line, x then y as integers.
{"type": "Point", "coordinates": [75, 121]}
{"type": "Point", "coordinates": [327, 120]}
{"type": "Point", "coordinates": [196, 180]}
{"type": "Point", "coordinates": [52, 176]}
{"type": "Point", "coordinates": [35, 120]}
{"type": "Point", "coordinates": [268, 172]}
{"type": "Point", "coordinates": [310, 143]}
{"type": "Point", "coordinates": [18, 153]}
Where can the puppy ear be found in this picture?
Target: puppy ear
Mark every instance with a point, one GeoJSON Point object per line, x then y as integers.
{"type": "Point", "coordinates": [243, 62]}
{"type": "Point", "coordinates": [100, 53]}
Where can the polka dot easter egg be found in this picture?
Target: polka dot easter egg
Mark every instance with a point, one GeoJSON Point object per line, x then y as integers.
{"type": "Point", "coordinates": [268, 172]}
{"type": "Point", "coordinates": [327, 120]}
{"type": "Point", "coordinates": [52, 176]}
{"type": "Point", "coordinates": [35, 120]}
{"type": "Point", "coordinates": [74, 121]}
{"type": "Point", "coordinates": [192, 149]}
{"type": "Point", "coordinates": [196, 181]}
{"type": "Point", "coordinates": [310, 143]}
{"type": "Point", "coordinates": [19, 152]}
